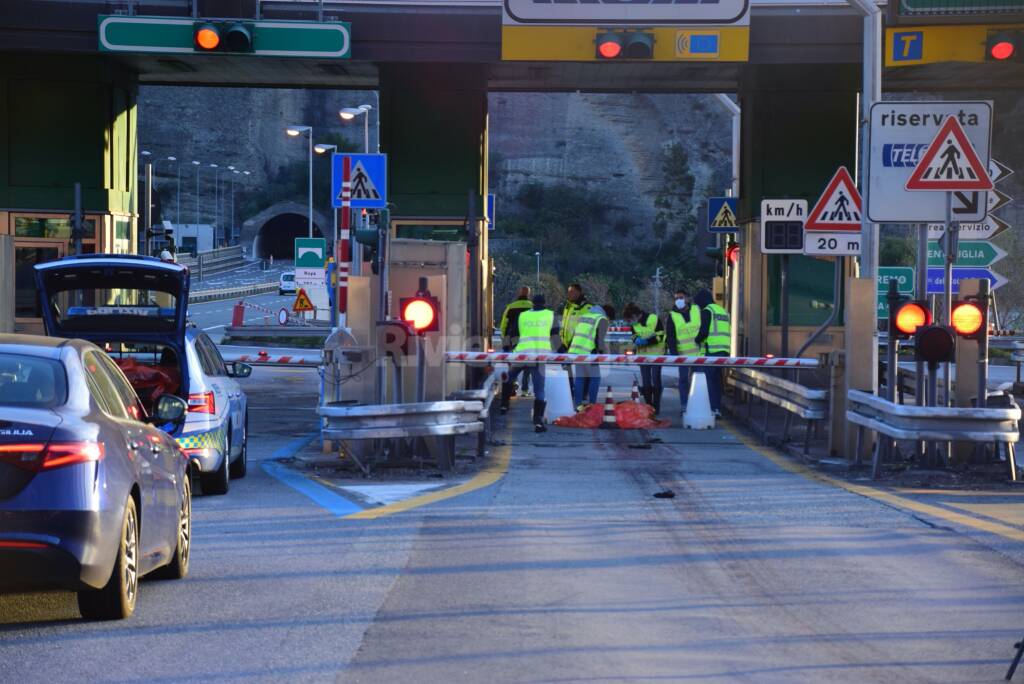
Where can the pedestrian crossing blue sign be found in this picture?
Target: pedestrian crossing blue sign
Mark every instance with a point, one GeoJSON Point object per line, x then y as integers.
{"type": "Point", "coordinates": [367, 185]}
{"type": "Point", "coordinates": [722, 215]}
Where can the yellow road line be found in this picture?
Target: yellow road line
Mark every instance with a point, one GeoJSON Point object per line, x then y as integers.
{"type": "Point", "coordinates": [1005, 531]}
{"type": "Point", "coordinates": [491, 473]}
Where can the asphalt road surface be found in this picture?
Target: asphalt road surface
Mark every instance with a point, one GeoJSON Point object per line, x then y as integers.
{"type": "Point", "coordinates": [213, 317]}
{"type": "Point", "coordinates": [567, 569]}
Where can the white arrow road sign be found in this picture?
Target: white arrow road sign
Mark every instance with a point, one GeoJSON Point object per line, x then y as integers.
{"type": "Point", "coordinates": [997, 170]}
{"type": "Point", "coordinates": [992, 226]}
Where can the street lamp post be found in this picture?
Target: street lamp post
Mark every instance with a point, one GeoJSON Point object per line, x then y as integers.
{"type": "Point", "coordinates": [216, 202]}
{"type": "Point", "coordinates": [322, 149]}
{"type": "Point", "coordinates": [349, 113]}
{"type": "Point", "coordinates": [295, 131]}
{"type": "Point", "coordinates": [537, 254]}
{"type": "Point", "coordinates": [198, 166]}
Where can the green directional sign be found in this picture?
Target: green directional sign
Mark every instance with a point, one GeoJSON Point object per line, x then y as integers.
{"type": "Point", "coordinates": [310, 252]}
{"type": "Point", "coordinates": [969, 253]}
{"type": "Point", "coordinates": [321, 40]}
{"type": "Point", "coordinates": [904, 277]}
{"type": "Point", "coordinates": [958, 7]}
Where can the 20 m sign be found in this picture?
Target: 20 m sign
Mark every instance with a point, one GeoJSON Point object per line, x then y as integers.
{"type": "Point", "coordinates": [831, 244]}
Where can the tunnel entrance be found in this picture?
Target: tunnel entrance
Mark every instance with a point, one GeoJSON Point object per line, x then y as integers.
{"type": "Point", "coordinates": [277, 236]}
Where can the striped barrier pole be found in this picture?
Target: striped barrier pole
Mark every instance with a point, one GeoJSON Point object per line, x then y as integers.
{"type": "Point", "coordinates": [627, 359]}
{"type": "Point", "coordinates": [264, 358]}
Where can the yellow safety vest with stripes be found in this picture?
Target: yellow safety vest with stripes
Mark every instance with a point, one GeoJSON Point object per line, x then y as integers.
{"type": "Point", "coordinates": [649, 329]}
{"type": "Point", "coordinates": [584, 339]}
{"type": "Point", "coordinates": [720, 331]}
{"type": "Point", "coordinates": [686, 333]}
{"type": "Point", "coordinates": [535, 330]}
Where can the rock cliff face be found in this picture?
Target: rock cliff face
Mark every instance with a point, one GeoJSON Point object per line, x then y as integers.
{"type": "Point", "coordinates": [612, 145]}
{"type": "Point", "coordinates": [240, 127]}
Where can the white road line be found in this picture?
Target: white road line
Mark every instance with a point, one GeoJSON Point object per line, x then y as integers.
{"type": "Point", "coordinates": [214, 327]}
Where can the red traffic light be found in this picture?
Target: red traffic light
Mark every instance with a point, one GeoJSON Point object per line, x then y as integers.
{"type": "Point", "coordinates": [911, 316]}
{"type": "Point", "coordinates": [1002, 46]}
{"type": "Point", "coordinates": [421, 313]}
{"type": "Point", "coordinates": [967, 318]}
{"type": "Point", "coordinates": [732, 254]}
{"type": "Point", "coordinates": [609, 45]}
{"type": "Point", "coordinates": [207, 37]}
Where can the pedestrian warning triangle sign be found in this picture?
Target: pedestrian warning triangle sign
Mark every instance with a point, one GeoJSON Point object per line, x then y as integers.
{"type": "Point", "coordinates": [838, 208]}
{"type": "Point", "coordinates": [950, 163]}
{"type": "Point", "coordinates": [725, 217]}
{"type": "Point", "coordinates": [361, 185]}
{"type": "Point", "coordinates": [302, 302]}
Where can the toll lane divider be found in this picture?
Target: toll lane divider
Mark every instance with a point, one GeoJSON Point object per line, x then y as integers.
{"type": "Point", "coordinates": [627, 359]}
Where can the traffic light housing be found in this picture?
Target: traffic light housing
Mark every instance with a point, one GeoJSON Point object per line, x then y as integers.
{"type": "Point", "coordinates": [732, 254]}
{"type": "Point", "coordinates": [422, 312]}
{"type": "Point", "coordinates": [222, 36]}
{"type": "Point", "coordinates": [934, 344]}
{"type": "Point", "coordinates": [969, 319]}
{"type": "Point", "coordinates": [1004, 46]}
{"type": "Point", "coordinates": [624, 44]}
{"type": "Point", "coordinates": [908, 317]}
{"type": "Point", "coordinates": [370, 240]}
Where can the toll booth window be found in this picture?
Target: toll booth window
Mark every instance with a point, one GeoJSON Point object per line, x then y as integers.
{"type": "Point", "coordinates": [55, 228]}
{"type": "Point", "coordinates": [122, 236]}
{"type": "Point", "coordinates": [810, 290]}
{"type": "Point", "coordinates": [26, 296]}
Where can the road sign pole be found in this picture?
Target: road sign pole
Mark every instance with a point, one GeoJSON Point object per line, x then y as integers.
{"type": "Point", "coordinates": [983, 300]}
{"type": "Point", "coordinates": [947, 286]}
{"type": "Point", "coordinates": [784, 305]}
{"type": "Point", "coordinates": [920, 291]}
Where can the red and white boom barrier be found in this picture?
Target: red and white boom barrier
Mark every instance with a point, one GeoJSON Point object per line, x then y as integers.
{"type": "Point", "coordinates": [263, 358]}
{"type": "Point", "coordinates": [628, 360]}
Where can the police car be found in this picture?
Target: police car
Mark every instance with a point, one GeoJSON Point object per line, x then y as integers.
{"type": "Point", "coordinates": [134, 307]}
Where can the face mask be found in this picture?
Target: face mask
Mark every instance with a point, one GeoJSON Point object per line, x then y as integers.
{"type": "Point", "coordinates": [680, 303]}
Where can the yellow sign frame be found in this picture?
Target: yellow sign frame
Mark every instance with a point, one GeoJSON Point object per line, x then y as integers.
{"type": "Point", "coordinates": [576, 44]}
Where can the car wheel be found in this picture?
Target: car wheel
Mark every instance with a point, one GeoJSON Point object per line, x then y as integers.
{"type": "Point", "coordinates": [219, 481]}
{"type": "Point", "coordinates": [178, 567]}
{"type": "Point", "coordinates": [241, 463]}
{"type": "Point", "coordinates": [116, 600]}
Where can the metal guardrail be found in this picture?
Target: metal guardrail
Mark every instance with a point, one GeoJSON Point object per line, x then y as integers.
{"type": "Point", "coordinates": [437, 419]}
{"type": "Point", "coordinates": [200, 296]}
{"type": "Point", "coordinates": [485, 395]}
{"type": "Point", "coordinates": [810, 404]}
{"type": "Point", "coordinates": [933, 423]}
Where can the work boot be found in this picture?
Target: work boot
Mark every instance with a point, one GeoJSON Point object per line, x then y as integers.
{"type": "Point", "coordinates": [656, 403]}
{"type": "Point", "coordinates": [538, 415]}
{"type": "Point", "coordinates": [647, 394]}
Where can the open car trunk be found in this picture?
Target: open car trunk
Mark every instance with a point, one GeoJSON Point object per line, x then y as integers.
{"type": "Point", "coordinates": [133, 307]}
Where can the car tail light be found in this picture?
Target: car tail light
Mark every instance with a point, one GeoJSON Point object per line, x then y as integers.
{"type": "Point", "coordinates": [201, 402]}
{"type": "Point", "coordinates": [37, 457]}
{"type": "Point", "coordinates": [18, 544]}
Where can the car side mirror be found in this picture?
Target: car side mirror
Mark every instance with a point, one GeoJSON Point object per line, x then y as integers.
{"type": "Point", "coordinates": [169, 409]}
{"type": "Point", "coordinates": [237, 369]}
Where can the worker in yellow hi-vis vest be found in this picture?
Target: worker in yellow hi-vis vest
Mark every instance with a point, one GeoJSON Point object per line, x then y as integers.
{"type": "Point", "coordinates": [537, 330]}
{"type": "Point", "coordinates": [681, 330]}
{"type": "Point", "coordinates": [649, 338]}
{"type": "Point", "coordinates": [713, 339]}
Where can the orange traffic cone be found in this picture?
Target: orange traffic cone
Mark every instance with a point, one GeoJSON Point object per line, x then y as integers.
{"type": "Point", "coordinates": [608, 421]}
{"type": "Point", "coordinates": [634, 395]}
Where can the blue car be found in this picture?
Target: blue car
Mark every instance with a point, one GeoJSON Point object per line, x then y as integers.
{"type": "Point", "coordinates": [93, 495]}
{"type": "Point", "coordinates": [135, 308]}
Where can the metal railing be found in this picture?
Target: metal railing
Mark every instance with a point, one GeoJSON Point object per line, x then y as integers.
{"type": "Point", "coordinates": [805, 402]}
{"type": "Point", "coordinates": [485, 395]}
{"type": "Point", "coordinates": [443, 420]}
{"type": "Point", "coordinates": [933, 423]}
